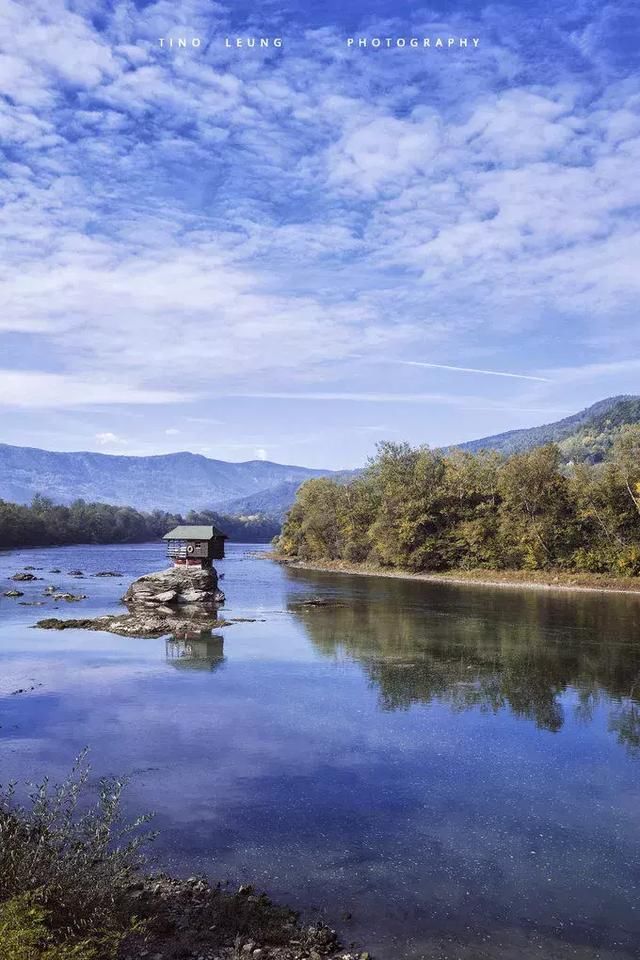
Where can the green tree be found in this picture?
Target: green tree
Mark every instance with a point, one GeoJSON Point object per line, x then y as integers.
{"type": "Point", "coordinates": [537, 518]}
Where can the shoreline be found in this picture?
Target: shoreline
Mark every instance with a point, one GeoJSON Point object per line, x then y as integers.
{"type": "Point", "coordinates": [511, 579]}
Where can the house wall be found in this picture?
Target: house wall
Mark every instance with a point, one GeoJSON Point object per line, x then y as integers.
{"type": "Point", "coordinates": [202, 549]}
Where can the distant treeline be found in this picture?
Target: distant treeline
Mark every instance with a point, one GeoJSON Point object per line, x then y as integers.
{"type": "Point", "coordinates": [44, 523]}
{"type": "Point", "coordinates": [417, 509]}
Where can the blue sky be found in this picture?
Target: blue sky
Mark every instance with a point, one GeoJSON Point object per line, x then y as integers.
{"type": "Point", "coordinates": [295, 252]}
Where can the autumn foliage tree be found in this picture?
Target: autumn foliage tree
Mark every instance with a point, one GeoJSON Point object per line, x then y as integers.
{"type": "Point", "coordinates": [419, 509]}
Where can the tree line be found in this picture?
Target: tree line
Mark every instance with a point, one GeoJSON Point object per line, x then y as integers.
{"type": "Point", "coordinates": [44, 523]}
{"type": "Point", "coordinates": [418, 509]}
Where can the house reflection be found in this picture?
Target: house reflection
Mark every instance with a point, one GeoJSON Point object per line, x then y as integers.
{"type": "Point", "coordinates": [195, 650]}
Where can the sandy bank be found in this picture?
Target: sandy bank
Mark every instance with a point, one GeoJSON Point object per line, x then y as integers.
{"type": "Point", "coordinates": [519, 579]}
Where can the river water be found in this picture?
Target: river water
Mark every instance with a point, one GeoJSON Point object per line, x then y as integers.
{"type": "Point", "coordinates": [438, 771]}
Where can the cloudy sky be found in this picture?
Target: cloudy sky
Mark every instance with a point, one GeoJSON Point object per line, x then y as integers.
{"type": "Point", "coordinates": [293, 252]}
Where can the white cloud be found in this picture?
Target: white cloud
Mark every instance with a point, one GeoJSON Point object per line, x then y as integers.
{"type": "Point", "coordinates": [595, 371]}
{"type": "Point", "coordinates": [454, 400]}
{"type": "Point", "coordinates": [384, 149]}
{"type": "Point", "coordinates": [108, 439]}
{"type": "Point", "coordinates": [184, 225]}
{"type": "Point", "coordinates": [34, 389]}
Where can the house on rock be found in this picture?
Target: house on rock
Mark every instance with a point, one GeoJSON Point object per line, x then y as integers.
{"type": "Point", "coordinates": [195, 546]}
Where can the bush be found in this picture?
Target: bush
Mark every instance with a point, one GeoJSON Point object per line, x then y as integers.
{"type": "Point", "coordinates": [24, 935]}
{"type": "Point", "coordinates": [65, 866]}
{"type": "Point", "coordinates": [628, 561]}
{"type": "Point", "coordinates": [624, 561]}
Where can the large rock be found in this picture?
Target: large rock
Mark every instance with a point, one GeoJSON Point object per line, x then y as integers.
{"type": "Point", "coordinates": [175, 587]}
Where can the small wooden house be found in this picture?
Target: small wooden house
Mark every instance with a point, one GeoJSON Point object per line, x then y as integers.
{"type": "Point", "coordinates": [195, 546]}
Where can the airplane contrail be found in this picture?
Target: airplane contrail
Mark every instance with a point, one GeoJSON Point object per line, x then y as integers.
{"type": "Point", "coordinates": [488, 373]}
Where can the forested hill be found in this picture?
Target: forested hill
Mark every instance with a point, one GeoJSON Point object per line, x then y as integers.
{"type": "Point", "coordinates": [277, 501]}
{"type": "Point", "coordinates": [175, 482]}
{"type": "Point", "coordinates": [586, 436]}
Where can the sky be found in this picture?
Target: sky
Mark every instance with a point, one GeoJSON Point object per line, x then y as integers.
{"type": "Point", "coordinates": [296, 250]}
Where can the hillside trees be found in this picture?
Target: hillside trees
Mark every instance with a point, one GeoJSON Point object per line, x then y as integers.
{"type": "Point", "coordinates": [536, 515]}
{"type": "Point", "coordinates": [417, 509]}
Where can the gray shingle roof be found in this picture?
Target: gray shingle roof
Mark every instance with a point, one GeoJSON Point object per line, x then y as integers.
{"type": "Point", "coordinates": [187, 532]}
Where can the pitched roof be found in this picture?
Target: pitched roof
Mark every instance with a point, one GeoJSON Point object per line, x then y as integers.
{"type": "Point", "coordinates": [186, 532]}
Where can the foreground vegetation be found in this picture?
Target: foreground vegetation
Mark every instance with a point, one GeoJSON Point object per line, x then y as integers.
{"type": "Point", "coordinates": [45, 523]}
{"type": "Point", "coordinates": [423, 510]}
{"type": "Point", "coordinates": [71, 888]}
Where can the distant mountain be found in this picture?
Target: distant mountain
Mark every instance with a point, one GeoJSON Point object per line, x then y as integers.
{"type": "Point", "coordinates": [276, 501]}
{"type": "Point", "coordinates": [584, 436]}
{"type": "Point", "coordinates": [187, 481]}
{"type": "Point", "coordinates": [273, 502]}
{"type": "Point", "coordinates": [175, 481]}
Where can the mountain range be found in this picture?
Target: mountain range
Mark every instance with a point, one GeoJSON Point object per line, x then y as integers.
{"type": "Point", "coordinates": [185, 481]}
{"type": "Point", "coordinates": [586, 435]}
{"type": "Point", "coordinates": [174, 481]}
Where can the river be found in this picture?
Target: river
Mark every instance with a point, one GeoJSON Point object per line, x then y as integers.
{"type": "Point", "coordinates": [439, 771]}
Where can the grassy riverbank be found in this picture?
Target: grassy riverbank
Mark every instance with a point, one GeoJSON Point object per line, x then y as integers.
{"type": "Point", "coordinates": [531, 579]}
{"type": "Point", "coordinates": [73, 886]}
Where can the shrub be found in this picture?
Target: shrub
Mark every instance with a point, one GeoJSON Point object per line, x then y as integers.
{"type": "Point", "coordinates": [24, 935]}
{"type": "Point", "coordinates": [628, 561]}
{"type": "Point", "coordinates": [65, 866]}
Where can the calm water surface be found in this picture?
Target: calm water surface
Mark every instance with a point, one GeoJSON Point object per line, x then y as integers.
{"type": "Point", "coordinates": [457, 768]}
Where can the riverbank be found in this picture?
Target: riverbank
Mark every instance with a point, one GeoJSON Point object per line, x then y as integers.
{"type": "Point", "coordinates": [74, 884]}
{"type": "Point", "coordinates": [528, 579]}
{"type": "Point", "coordinates": [192, 919]}
{"type": "Point", "coordinates": [165, 918]}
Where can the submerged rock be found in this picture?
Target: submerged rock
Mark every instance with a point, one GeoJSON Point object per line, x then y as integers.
{"type": "Point", "coordinates": [319, 602]}
{"type": "Point", "coordinates": [108, 573]}
{"type": "Point", "coordinates": [175, 587]}
{"type": "Point", "coordinates": [24, 576]}
{"type": "Point", "coordinates": [149, 624]}
{"type": "Point", "coordinates": [13, 593]}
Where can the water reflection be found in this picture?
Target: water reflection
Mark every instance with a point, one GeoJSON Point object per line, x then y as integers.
{"type": "Point", "coordinates": [195, 650]}
{"type": "Point", "coordinates": [419, 644]}
{"type": "Point", "coordinates": [435, 761]}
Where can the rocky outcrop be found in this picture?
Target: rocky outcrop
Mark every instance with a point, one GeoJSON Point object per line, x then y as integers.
{"type": "Point", "coordinates": [180, 601]}
{"type": "Point", "coordinates": [140, 624]}
{"type": "Point", "coordinates": [174, 588]}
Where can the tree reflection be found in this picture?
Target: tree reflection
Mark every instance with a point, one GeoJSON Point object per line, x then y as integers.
{"type": "Point", "coordinates": [489, 650]}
